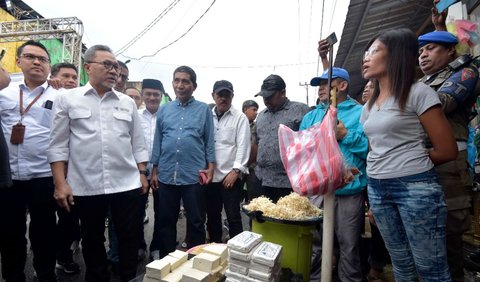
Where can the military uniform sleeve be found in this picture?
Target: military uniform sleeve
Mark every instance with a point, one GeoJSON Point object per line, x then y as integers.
{"type": "Point", "coordinates": [458, 88]}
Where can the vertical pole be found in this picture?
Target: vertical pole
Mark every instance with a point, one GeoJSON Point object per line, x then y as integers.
{"type": "Point", "coordinates": [328, 200]}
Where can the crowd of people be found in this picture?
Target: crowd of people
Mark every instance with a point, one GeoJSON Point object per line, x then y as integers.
{"type": "Point", "coordinates": [76, 156]}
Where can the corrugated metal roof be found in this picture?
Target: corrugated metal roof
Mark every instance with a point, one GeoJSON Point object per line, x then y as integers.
{"type": "Point", "coordinates": [365, 19]}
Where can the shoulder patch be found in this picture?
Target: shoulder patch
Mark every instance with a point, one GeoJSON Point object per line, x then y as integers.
{"type": "Point", "coordinates": [467, 73]}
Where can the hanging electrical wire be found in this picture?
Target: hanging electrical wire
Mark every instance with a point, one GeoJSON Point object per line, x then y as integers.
{"type": "Point", "coordinates": [181, 36]}
{"type": "Point", "coordinates": [321, 34]}
{"type": "Point", "coordinates": [149, 26]}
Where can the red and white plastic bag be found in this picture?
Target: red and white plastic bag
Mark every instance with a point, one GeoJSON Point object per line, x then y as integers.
{"type": "Point", "coordinates": [312, 158]}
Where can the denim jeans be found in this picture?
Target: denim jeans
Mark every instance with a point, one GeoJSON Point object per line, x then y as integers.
{"type": "Point", "coordinates": [411, 215]}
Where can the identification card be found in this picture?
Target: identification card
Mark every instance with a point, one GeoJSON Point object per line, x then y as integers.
{"type": "Point", "coordinates": [18, 132]}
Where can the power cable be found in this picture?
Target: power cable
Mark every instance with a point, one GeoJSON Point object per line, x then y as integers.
{"type": "Point", "coordinates": [180, 37]}
{"type": "Point", "coordinates": [321, 33]}
{"type": "Point", "coordinates": [149, 26]}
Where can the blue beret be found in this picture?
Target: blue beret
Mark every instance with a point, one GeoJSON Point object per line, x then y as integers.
{"type": "Point", "coordinates": [337, 73]}
{"type": "Point", "coordinates": [443, 37]}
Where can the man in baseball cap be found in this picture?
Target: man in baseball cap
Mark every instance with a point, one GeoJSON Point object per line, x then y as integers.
{"type": "Point", "coordinates": [273, 180]}
{"type": "Point", "coordinates": [340, 79]}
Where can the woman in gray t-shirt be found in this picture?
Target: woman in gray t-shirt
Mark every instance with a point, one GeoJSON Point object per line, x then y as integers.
{"type": "Point", "coordinates": [406, 200]}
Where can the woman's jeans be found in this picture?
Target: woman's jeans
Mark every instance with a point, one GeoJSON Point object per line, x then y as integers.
{"type": "Point", "coordinates": [411, 215]}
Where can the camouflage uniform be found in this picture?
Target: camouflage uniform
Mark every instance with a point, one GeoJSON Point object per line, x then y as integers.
{"type": "Point", "coordinates": [458, 90]}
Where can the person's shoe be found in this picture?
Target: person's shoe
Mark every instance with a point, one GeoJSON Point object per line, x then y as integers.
{"type": "Point", "coordinates": [68, 267]}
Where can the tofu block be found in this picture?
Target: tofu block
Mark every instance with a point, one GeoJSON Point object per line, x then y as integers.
{"type": "Point", "coordinates": [149, 279]}
{"type": "Point", "coordinates": [180, 255]}
{"type": "Point", "coordinates": [206, 262]}
{"type": "Point", "coordinates": [267, 253]}
{"type": "Point", "coordinates": [220, 250]}
{"type": "Point", "coordinates": [158, 269]}
{"type": "Point", "coordinates": [238, 269]}
{"type": "Point", "coordinates": [174, 262]}
{"type": "Point", "coordinates": [236, 276]}
{"type": "Point", "coordinates": [195, 275]}
{"type": "Point", "coordinates": [177, 274]}
{"type": "Point", "coordinates": [232, 254]}
{"type": "Point", "coordinates": [245, 241]}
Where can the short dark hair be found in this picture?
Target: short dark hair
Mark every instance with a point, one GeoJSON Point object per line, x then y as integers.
{"type": "Point", "coordinates": [122, 64]}
{"type": "Point", "coordinates": [31, 43]}
{"type": "Point", "coordinates": [402, 48]}
{"type": "Point", "coordinates": [190, 71]}
{"type": "Point", "coordinates": [56, 68]}
{"type": "Point", "coordinates": [249, 103]}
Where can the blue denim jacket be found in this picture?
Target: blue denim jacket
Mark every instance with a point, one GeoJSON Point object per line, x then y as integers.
{"type": "Point", "coordinates": [354, 145]}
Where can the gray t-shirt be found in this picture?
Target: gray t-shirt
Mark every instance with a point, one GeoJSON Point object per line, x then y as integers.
{"type": "Point", "coordinates": [397, 139]}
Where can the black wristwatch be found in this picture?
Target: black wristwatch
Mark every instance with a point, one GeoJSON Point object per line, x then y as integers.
{"type": "Point", "coordinates": [237, 171]}
{"type": "Point", "coordinates": [144, 172]}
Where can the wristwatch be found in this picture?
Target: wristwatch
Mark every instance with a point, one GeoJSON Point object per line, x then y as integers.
{"type": "Point", "coordinates": [237, 171]}
{"type": "Point", "coordinates": [144, 172]}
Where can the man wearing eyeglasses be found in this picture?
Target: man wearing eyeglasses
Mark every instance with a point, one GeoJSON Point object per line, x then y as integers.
{"type": "Point", "coordinates": [122, 77]}
{"type": "Point", "coordinates": [26, 114]}
{"type": "Point", "coordinates": [97, 130]}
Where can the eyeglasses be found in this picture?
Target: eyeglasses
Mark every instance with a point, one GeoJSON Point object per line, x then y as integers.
{"type": "Point", "coordinates": [108, 65]}
{"type": "Point", "coordinates": [370, 52]}
{"type": "Point", "coordinates": [32, 58]}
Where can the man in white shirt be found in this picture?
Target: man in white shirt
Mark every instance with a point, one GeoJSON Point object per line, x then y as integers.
{"type": "Point", "coordinates": [97, 130]}
{"type": "Point", "coordinates": [26, 114]}
{"type": "Point", "coordinates": [232, 150]}
{"type": "Point", "coordinates": [152, 92]}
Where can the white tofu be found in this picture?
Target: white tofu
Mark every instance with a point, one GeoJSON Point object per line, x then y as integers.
{"type": "Point", "coordinates": [220, 250]}
{"type": "Point", "coordinates": [195, 275]}
{"type": "Point", "coordinates": [157, 269]}
{"type": "Point", "coordinates": [180, 256]}
{"type": "Point", "coordinates": [232, 254]}
{"type": "Point", "coordinates": [174, 262]}
{"type": "Point", "coordinates": [238, 269]}
{"type": "Point", "coordinates": [206, 262]}
{"type": "Point", "coordinates": [177, 274]}
{"type": "Point", "coordinates": [267, 253]}
{"type": "Point", "coordinates": [245, 241]}
{"type": "Point", "coordinates": [149, 279]}
{"type": "Point", "coordinates": [234, 275]}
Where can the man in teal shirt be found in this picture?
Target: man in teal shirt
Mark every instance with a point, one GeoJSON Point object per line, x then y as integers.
{"type": "Point", "coordinates": [349, 200]}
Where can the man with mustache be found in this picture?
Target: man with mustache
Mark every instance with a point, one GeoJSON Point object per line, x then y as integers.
{"type": "Point", "coordinates": [232, 148]}
{"type": "Point", "coordinates": [455, 78]}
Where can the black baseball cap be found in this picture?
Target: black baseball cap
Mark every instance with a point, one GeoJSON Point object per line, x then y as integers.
{"type": "Point", "coordinates": [271, 85]}
{"type": "Point", "coordinates": [222, 85]}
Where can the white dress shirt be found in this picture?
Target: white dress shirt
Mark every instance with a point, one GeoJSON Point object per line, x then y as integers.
{"type": "Point", "coordinates": [28, 160]}
{"type": "Point", "coordinates": [101, 138]}
{"type": "Point", "coordinates": [149, 121]}
{"type": "Point", "coordinates": [232, 143]}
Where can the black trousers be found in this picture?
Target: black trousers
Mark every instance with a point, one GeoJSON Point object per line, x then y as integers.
{"type": "Point", "coordinates": [217, 198]}
{"type": "Point", "coordinates": [155, 244]}
{"type": "Point", "coordinates": [125, 208]}
{"type": "Point", "coordinates": [36, 195]}
{"type": "Point", "coordinates": [68, 231]}
{"type": "Point", "coordinates": [169, 196]}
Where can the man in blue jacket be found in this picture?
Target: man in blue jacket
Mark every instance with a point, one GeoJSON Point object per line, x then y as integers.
{"type": "Point", "coordinates": [349, 200]}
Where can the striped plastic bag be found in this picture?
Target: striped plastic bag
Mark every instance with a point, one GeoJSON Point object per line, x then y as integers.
{"type": "Point", "coordinates": [312, 159]}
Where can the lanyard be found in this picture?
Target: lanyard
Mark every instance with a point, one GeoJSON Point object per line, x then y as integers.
{"type": "Point", "coordinates": [22, 111]}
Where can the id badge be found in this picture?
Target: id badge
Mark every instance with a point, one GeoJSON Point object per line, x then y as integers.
{"type": "Point", "coordinates": [18, 132]}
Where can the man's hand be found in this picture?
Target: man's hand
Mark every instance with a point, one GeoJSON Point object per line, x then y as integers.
{"type": "Point", "coordinates": [230, 179]}
{"type": "Point", "coordinates": [439, 19]}
{"type": "Point", "coordinates": [323, 48]}
{"type": "Point", "coordinates": [341, 131]}
{"type": "Point", "coordinates": [144, 181]}
{"type": "Point", "coordinates": [63, 195]}
{"type": "Point", "coordinates": [55, 83]}
{"type": "Point", "coordinates": [154, 179]}
{"type": "Point", "coordinates": [209, 172]}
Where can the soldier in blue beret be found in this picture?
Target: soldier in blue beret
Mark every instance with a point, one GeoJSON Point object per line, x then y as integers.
{"type": "Point", "coordinates": [455, 78]}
